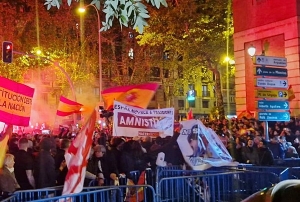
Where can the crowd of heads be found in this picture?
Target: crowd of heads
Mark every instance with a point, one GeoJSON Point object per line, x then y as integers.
{"type": "Point", "coordinates": [244, 138]}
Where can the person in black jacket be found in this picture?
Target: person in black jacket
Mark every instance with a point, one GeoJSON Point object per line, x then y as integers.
{"type": "Point", "coordinates": [133, 158]}
{"type": "Point", "coordinates": [24, 164]}
{"type": "Point", "coordinates": [101, 167]}
{"type": "Point", "coordinates": [249, 153]}
{"type": "Point", "coordinates": [264, 154]}
{"type": "Point", "coordinates": [60, 162]}
{"type": "Point", "coordinates": [44, 167]}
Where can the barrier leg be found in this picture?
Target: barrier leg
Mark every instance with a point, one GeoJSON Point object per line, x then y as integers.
{"type": "Point", "coordinates": [149, 181]}
{"type": "Point", "coordinates": [122, 181]}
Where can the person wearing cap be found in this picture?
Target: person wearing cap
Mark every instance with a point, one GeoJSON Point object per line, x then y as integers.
{"type": "Point", "coordinates": [100, 168]}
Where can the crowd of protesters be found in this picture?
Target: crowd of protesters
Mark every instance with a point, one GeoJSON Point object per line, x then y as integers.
{"type": "Point", "coordinates": [38, 161]}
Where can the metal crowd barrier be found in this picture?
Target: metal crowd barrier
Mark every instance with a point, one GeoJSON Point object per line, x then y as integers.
{"type": "Point", "coordinates": [282, 172]}
{"type": "Point", "coordinates": [105, 194]}
{"type": "Point", "coordinates": [174, 184]}
{"type": "Point", "coordinates": [289, 162]}
{"type": "Point", "coordinates": [35, 194]}
{"type": "Point", "coordinates": [230, 186]}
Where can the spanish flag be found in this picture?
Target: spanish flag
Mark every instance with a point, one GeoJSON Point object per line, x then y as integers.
{"type": "Point", "coordinates": [67, 107]}
{"type": "Point", "coordinates": [135, 95]}
{"type": "Point", "coordinates": [291, 93]}
{"type": "Point", "coordinates": [4, 136]}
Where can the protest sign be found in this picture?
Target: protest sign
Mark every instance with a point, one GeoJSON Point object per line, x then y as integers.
{"type": "Point", "coordinates": [131, 121]}
{"type": "Point", "coordinates": [15, 102]}
{"type": "Point", "coordinates": [201, 147]}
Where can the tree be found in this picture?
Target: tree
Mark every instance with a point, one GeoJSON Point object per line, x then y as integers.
{"type": "Point", "coordinates": [194, 33]}
{"type": "Point", "coordinates": [128, 12]}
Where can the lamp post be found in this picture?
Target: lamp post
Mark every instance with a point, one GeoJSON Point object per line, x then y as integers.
{"type": "Point", "coordinates": [229, 63]}
{"type": "Point", "coordinates": [82, 10]}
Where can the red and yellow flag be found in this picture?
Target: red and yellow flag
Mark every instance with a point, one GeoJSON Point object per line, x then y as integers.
{"type": "Point", "coordinates": [15, 102]}
{"type": "Point", "coordinates": [135, 95]}
{"type": "Point", "coordinates": [4, 136]}
{"type": "Point", "coordinates": [291, 93]}
{"type": "Point", "coordinates": [67, 107]}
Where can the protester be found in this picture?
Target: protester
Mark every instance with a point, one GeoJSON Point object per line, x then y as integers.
{"type": "Point", "coordinates": [44, 169]}
{"type": "Point", "coordinates": [8, 182]}
{"type": "Point", "coordinates": [60, 162]}
{"type": "Point", "coordinates": [100, 169]}
{"type": "Point", "coordinates": [24, 164]}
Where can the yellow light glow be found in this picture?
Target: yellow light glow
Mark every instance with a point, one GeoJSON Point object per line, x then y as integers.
{"type": "Point", "coordinates": [81, 10]}
{"type": "Point", "coordinates": [227, 59]}
{"type": "Point", "coordinates": [38, 52]}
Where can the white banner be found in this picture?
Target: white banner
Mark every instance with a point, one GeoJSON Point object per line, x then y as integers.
{"type": "Point", "coordinates": [201, 147]}
{"type": "Point", "coordinates": [131, 121]}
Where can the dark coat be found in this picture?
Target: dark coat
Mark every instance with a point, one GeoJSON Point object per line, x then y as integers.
{"type": "Point", "coordinates": [108, 165]}
{"type": "Point", "coordinates": [131, 163]}
{"type": "Point", "coordinates": [61, 175]}
{"type": "Point", "coordinates": [265, 157]}
{"type": "Point", "coordinates": [250, 155]}
{"type": "Point", "coordinates": [44, 170]}
{"type": "Point", "coordinates": [23, 161]}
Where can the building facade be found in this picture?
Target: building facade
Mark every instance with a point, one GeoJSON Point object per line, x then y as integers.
{"type": "Point", "coordinates": [272, 26]}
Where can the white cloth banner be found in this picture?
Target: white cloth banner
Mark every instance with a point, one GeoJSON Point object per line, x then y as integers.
{"type": "Point", "coordinates": [201, 147]}
{"type": "Point", "coordinates": [131, 121]}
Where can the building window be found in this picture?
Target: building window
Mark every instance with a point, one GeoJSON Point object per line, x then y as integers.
{"type": "Point", "coordinates": [232, 99]}
{"type": "Point", "coordinates": [97, 91]}
{"type": "Point", "coordinates": [204, 88]}
{"type": "Point", "coordinates": [205, 104]}
{"type": "Point", "coordinates": [192, 86]}
{"type": "Point", "coordinates": [155, 72]}
{"type": "Point", "coordinates": [192, 104]}
{"type": "Point", "coordinates": [181, 104]}
{"type": "Point", "coordinates": [79, 90]}
{"type": "Point", "coordinates": [205, 92]}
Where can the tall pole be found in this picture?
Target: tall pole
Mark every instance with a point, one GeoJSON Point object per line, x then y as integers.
{"type": "Point", "coordinates": [99, 50]}
{"type": "Point", "coordinates": [99, 55]}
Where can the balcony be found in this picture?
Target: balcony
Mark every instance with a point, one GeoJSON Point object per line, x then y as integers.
{"type": "Point", "coordinates": [205, 94]}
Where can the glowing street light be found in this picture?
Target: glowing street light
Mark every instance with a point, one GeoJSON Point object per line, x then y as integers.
{"type": "Point", "coordinates": [251, 50]}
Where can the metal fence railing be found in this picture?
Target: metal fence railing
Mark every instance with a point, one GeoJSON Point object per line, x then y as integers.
{"type": "Point", "coordinates": [231, 186]}
{"type": "Point", "coordinates": [175, 184]}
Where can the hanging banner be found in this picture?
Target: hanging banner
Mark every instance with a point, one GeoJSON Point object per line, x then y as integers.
{"type": "Point", "coordinates": [131, 121]}
{"type": "Point", "coordinates": [15, 102]}
{"type": "Point", "coordinates": [201, 147]}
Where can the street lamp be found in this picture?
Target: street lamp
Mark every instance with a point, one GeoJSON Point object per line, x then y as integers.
{"type": "Point", "coordinates": [251, 51]}
{"type": "Point", "coordinates": [82, 10]}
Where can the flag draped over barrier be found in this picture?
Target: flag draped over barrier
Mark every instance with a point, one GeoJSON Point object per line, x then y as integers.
{"type": "Point", "coordinates": [15, 102]}
{"type": "Point", "coordinates": [135, 95]}
{"type": "Point", "coordinates": [77, 157]}
{"type": "Point", "coordinates": [67, 107]}
{"type": "Point", "coordinates": [201, 147]}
